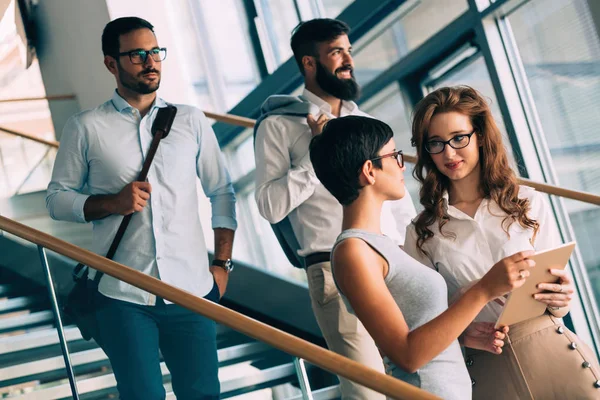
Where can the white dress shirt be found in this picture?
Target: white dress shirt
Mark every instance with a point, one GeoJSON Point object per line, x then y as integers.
{"type": "Point", "coordinates": [286, 184]}
{"type": "Point", "coordinates": [103, 150]}
{"type": "Point", "coordinates": [481, 242]}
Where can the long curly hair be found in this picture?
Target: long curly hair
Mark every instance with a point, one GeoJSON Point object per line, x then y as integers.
{"type": "Point", "coordinates": [498, 180]}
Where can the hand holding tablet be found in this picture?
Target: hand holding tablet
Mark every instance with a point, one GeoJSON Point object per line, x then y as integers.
{"type": "Point", "coordinates": [520, 305]}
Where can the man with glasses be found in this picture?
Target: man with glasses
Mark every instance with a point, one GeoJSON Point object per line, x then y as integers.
{"type": "Point", "coordinates": [102, 150]}
{"type": "Point", "coordinates": [287, 188]}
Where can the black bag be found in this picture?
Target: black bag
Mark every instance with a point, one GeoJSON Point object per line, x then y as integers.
{"type": "Point", "coordinates": [79, 304]}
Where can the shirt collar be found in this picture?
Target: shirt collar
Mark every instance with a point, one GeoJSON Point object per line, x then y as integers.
{"type": "Point", "coordinates": [455, 212]}
{"type": "Point", "coordinates": [121, 104]}
{"type": "Point", "coordinates": [350, 106]}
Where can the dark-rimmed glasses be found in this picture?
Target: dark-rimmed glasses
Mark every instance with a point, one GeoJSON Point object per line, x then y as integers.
{"type": "Point", "coordinates": [396, 154]}
{"type": "Point", "coordinates": [140, 56]}
{"type": "Point", "coordinates": [457, 142]}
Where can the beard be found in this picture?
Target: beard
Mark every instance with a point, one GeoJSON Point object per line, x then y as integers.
{"type": "Point", "coordinates": [343, 89]}
{"type": "Point", "coordinates": [136, 84]}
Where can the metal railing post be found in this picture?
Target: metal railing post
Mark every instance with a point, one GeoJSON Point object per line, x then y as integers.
{"type": "Point", "coordinates": [303, 379]}
{"type": "Point", "coordinates": [59, 324]}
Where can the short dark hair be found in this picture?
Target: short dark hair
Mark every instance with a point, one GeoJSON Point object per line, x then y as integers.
{"type": "Point", "coordinates": [120, 26]}
{"type": "Point", "coordinates": [339, 153]}
{"type": "Point", "coordinates": [307, 35]}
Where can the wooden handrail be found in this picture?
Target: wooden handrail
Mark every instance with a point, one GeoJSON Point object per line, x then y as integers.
{"type": "Point", "coordinates": [562, 192]}
{"type": "Point", "coordinates": [314, 354]}
{"type": "Point", "coordinates": [249, 123]}
{"type": "Point", "coordinates": [52, 143]}
{"type": "Point", "coordinates": [231, 119]}
{"type": "Point", "coordinates": [47, 98]}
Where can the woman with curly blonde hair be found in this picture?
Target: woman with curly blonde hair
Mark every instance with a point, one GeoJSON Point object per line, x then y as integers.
{"type": "Point", "coordinates": [475, 214]}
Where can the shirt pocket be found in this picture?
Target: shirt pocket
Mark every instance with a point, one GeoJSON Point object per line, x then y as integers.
{"type": "Point", "coordinates": [109, 172]}
{"type": "Point", "coordinates": [177, 160]}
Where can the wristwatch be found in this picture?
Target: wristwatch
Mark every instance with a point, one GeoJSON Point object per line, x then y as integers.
{"type": "Point", "coordinates": [227, 265]}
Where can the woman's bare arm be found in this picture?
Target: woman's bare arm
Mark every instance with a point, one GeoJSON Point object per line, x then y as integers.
{"type": "Point", "coordinates": [359, 272]}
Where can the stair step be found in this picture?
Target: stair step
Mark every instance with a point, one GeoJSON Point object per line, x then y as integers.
{"type": "Point", "coordinates": [26, 321]}
{"type": "Point", "coordinates": [22, 303]}
{"type": "Point", "coordinates": [32, 340]}
{"type": "Point", "coordinates": [38, 370]}
{"type": "Point", "coordinates": [328, 393]}
{"type": "Point", "coordinates": [104, 383]}
{"type": "Point", "coordinates": [48, 337]}
{"type": "Point", "coordinates": [259, 380]}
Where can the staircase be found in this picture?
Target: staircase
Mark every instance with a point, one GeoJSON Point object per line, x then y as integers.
{"type": "Point", "coordinates": [32, 367]}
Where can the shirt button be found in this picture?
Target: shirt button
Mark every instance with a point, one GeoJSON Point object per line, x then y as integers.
{"type": "Point", "coordinates": [469, 362]}
{"type": "Point", "coordinates": [157, 258]}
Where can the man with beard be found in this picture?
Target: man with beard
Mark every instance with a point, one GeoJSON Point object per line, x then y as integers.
{"type": "Point", "coordinates": [103, 150]}
{"type": "Point", "coordinates": [287, 187]}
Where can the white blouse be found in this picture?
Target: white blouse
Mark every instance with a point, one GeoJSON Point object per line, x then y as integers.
{"type": "Point", "coordinates": [481, 242]}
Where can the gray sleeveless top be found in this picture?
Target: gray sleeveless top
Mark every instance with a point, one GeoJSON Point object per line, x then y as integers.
{"type": "Point", "coordinates": [421, 295]}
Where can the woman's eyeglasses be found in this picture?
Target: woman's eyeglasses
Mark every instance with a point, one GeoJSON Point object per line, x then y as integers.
{"type": "Point", "coordinates": [396, 154]}
{"type": "Point", "coordinates": [457, 142]}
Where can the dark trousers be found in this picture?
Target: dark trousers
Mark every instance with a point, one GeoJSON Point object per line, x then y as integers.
{"type": "Point", "coordinates": [131, 335]}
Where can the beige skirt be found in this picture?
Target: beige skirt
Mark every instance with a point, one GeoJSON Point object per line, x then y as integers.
{"type": "Point", "coordinates": [541, 360]}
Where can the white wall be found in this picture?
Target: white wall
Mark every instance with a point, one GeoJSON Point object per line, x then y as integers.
{"type": "Point", "coordinates": [70, 55]}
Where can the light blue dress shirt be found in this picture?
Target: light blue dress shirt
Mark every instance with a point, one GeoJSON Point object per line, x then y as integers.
{"type": "Point", "coordinates": [103, 149]}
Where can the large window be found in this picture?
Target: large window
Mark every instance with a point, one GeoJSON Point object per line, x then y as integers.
{"type": "Point", "coordinates": [227, 48]}
{"type": "Point", "coordinates": [332, 8]}
{"type": "Point", "coordinates": [277, 20]}
{"type": "Point", "coordinates": [560, 54]}
{"type": "Point", "coordinates": [389, 106]}
{"type": "Point", "coordinates": [25, 166]}
{"type": "Point", "coordinates": [406, 29]}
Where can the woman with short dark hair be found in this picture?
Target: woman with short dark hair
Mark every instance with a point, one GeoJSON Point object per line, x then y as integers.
{"type": "Point", "coordinates": [402, 304]}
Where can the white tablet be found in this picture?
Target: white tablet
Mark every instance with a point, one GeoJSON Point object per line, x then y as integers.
{"type": "Point", "coordinates": [520, 305]}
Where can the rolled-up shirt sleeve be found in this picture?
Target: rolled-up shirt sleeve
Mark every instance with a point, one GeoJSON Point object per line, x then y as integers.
{"type": "Point", "coordinates": [214, 177]}
{"type": "Point", "coordinates": [64, 199]}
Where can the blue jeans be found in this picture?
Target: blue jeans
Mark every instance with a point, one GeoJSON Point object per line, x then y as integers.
{"type": "Point", "coordinates": [131, 335]}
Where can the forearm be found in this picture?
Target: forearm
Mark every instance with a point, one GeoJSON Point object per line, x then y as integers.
{"type": "Point", "coordinates": [98, 207]}
{"type": "Point", "coordinates": [223, 243]}
{"type": "Point", "coordinates": [429, 340]}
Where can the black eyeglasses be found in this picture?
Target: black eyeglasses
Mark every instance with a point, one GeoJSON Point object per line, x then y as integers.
{"type": "Point", "coordinates": [140, 56]}
{"type": "Point", "coordinates": [396, 154]}
{"type": "Point", "coordinates": [457, 142]}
